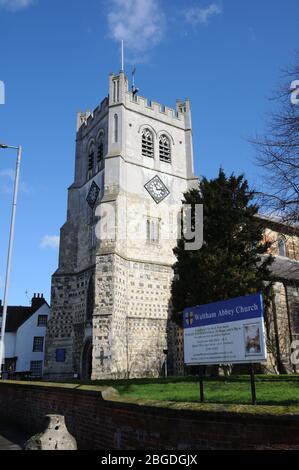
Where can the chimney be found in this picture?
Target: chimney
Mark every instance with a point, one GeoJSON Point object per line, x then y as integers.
{"type": "Point", "coordinates": [37, 301]}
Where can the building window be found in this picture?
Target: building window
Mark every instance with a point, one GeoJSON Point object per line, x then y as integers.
{"type": "Point", "coordinates": [281, 247]}
{"type": "Point", "coordinates": [42, 320]}
{"type": "Point", "coordinates": [153, 230]}
{"type": "Point", "coordinates": [100, 150]}
{"type": "Point", "coordinates": [147, 143]}
{"type": "Point", "coordinates": [115, 91]}
{"type": "Point", "coordinates": [38, 344]}
{"type": "Point", "coordinates": [164, 149]}
{"type": "Point", "coordinates": [115, 128]}
{"type": "Point", "coordinates": [36, 368]}
{"type": "Point", "coordinates": [90, 161]}
{"type": "Point", "coordinates": [60, 355]}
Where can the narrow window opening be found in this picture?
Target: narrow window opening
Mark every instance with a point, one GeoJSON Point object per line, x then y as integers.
{"type": "Point", "coordinates": [152, 231]}
{"type": "Point", "coordinates": [100, 152]}
{"type": "Point", "coordinates": [115, 128]}
{"type": "Point", "coordinates": [147, 144]}
{"type": "Point", "coordinates": [164, 149]}
{"type": "Point", "coordinates": [281, 247]}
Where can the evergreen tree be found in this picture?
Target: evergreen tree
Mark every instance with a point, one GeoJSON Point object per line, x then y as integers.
{"type": "Point", "coordinates": [231, 261]}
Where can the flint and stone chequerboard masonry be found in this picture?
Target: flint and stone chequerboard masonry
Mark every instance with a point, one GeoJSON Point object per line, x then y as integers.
{"type": "Point", "coordinates": [111, 292]}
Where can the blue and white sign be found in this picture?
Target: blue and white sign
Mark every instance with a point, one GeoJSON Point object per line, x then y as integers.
{"type": "Point", "coordinates": [225, 332]}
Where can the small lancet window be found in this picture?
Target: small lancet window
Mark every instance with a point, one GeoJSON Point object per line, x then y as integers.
{"type": "Point", "coordinates": [148, 230]}
{"type": "Point", "coordinates": [152, 231]}
{"type": "Point", "coordinates": [147, 143]}
{"type": "Point", "coordinates": [164, 149]}
{"type": "Point", "coordinates": [115, 128]}
{"type": "Point", "coordinates": [281, 247]}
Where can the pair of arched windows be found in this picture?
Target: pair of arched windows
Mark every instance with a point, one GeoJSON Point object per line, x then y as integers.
{"type": "Point", "coordinates": [96, 155]}
{"type": "Point", "coordinates": [147, 144]}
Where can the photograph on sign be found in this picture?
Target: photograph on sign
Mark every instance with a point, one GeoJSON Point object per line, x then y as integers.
{"type": "Point", "coordinates": [230, 331]}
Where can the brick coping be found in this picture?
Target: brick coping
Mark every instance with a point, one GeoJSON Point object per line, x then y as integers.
{"type": "Point", "coordinates": [186, 408]}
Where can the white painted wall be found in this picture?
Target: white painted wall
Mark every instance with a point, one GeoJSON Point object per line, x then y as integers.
{"type": "Point", "coordinates": [24, 340]}
{"type": "Point", "coordinates": [10, 345]}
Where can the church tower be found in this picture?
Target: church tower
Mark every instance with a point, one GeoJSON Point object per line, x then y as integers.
{"type": "Point", "coordinates": [111, 292]}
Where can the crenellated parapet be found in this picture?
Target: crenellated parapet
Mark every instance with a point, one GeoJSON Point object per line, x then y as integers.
{"type": "Point", "coordinates": [86, 119]}
{"type": "Point", "coordinates": [119, 93]}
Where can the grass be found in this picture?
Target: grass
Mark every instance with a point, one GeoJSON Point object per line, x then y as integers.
{"type": "Point", "coordinates": [235, 390]}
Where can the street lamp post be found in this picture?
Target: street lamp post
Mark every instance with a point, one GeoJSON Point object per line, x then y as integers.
{"type": "Point", "coordinates": [10, 248]}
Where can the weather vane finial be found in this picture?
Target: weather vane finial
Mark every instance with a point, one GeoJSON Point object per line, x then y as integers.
{"type": "Point", "coordinates": [135, 90]}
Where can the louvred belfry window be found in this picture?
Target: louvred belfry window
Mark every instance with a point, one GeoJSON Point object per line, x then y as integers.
{"type": "Point", "coordinates": [164, 149]}
{"type": "Point", "coordinates": [90, 161]}
{"type": "Point", "coordinates": [100, 150]}
{"type": "Point", "coordinates": [147, 143]}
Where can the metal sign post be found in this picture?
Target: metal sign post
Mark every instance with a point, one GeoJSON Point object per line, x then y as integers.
{"type": "Point", "coordinates": [201, 384]}
{"type": "Point", "coordinates": [252, 380]}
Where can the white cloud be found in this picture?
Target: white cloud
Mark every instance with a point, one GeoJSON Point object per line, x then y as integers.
{"type": "Point", "coordinates": [202, 15]}
{"type": "Point", "coordinates": [50, 241]}
{"type": "Point", "coordinates": [138, 22]}
{"type": "Point", "coordinates": [14, 5]}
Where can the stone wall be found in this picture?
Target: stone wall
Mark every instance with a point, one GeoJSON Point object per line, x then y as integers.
{"type": "Point", "coordinates": [130, 318]}
{"type": "Point", "coordinates": [101, 425]}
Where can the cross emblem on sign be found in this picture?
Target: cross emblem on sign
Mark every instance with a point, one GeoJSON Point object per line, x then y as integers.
{"type": "Point", "coordinates": [189, 318]}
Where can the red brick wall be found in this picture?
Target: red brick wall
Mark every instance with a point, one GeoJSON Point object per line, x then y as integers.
{"type": "Point", "coordinates": [109, 425]}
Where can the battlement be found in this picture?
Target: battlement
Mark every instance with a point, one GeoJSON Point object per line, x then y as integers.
{"type": "Point", "coordinates": [85, 119]}
{"type": "Point", "coordinates": [144, 104]}
{"type": "Point", "coordinates": [119, 92]}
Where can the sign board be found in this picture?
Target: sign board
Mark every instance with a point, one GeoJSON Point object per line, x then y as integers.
{"type": "Point", "coordinates": [228, 332]}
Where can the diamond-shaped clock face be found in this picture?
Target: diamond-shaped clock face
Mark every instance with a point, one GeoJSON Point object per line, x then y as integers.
{"type": "Point", "coordinates": [92, 195]}
{"type": "Point", "coordinates": [157, 189]}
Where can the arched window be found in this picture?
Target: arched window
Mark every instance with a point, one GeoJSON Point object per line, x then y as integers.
{"type": "Point", "coordinates": [281, 247]}
{"type": "Point", "coordinates": [164, 149]}
{"type": "Point", "coordinates": [115, 128]}
{"type": "Point", "coordinates": [90, 160]}
{"type": "Point", "coordinates": [100, 150]}
{"type": "Point", "coordinates": [152, 230]}
{"type": "Point", "coordinates": [90, 299]}
{"type": "Point", "coordinates": [148, 230]}
{"type": "Point", "coordinates": [147, 143]}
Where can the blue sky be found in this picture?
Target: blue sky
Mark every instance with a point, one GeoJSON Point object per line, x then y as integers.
{"type": "Point", "coordinates": [226, 56]}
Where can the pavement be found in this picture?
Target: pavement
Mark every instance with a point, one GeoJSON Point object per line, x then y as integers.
{"type": "Point", "coordinates": [12, 438]}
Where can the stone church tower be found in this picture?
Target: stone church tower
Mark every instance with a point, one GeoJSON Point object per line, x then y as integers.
{"type": "Point", "coordinates": [111, 292]}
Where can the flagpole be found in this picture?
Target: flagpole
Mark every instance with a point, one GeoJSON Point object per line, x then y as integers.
{"type": "Point", "coordinates": [122, 56]}
{"type": "Point", "coordinates": [10, 250]}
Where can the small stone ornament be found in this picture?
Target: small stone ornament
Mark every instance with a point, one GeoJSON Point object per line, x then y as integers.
{"type": "Point", "coordinates": [55, 437]}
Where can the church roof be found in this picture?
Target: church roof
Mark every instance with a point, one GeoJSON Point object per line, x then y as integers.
{"type": "Point", "coordinates": [285, 268]}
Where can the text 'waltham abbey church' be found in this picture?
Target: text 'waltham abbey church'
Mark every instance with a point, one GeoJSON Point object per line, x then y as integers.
{"type": "Point", "coordinates": [111, 293]}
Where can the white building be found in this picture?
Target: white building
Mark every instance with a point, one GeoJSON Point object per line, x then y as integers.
{"type": "Point", "coordinates": [25, 337]}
